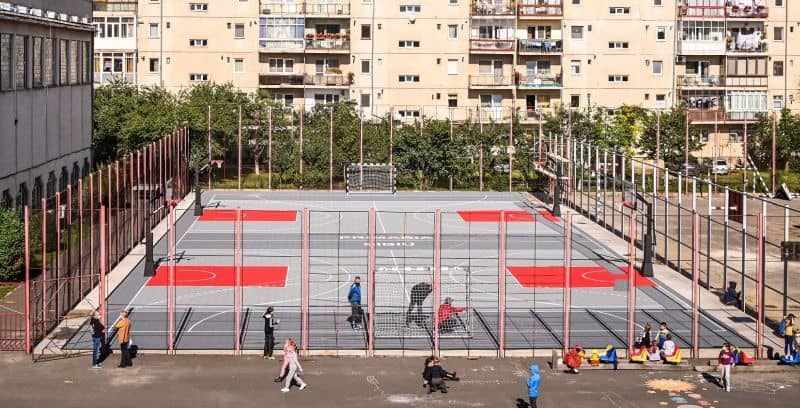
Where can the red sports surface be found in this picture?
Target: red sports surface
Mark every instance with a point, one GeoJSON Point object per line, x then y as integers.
{"type": "Point", "coordinates": [249, 215]}
{"type": "Point", "coordinates": [494, 216]}
{"type": "Point", "coordinates": [549, 216]}
{"type": "Point", "coordinates": [580, 277]}
{"type": "Point", "coordinates": [221, 275]}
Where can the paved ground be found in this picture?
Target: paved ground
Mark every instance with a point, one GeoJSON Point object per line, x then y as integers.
{"type": "Point", "coordinates": [226, 381]}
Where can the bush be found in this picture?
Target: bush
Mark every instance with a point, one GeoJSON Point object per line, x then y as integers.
{"type": "Point", "coordinates": [12, 246]}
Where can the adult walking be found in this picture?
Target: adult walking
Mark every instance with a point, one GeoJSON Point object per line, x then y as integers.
{"type": "Point", "coordinates": [270, 322]}
{"type": "Point", "coordinates": [354, 297]}
{"type": "Point", "coordinates": [98, 338]}
{"type": "Point", "coordinates": [123, 327]}
{"type": "Point", "coordinates": [294, 368]}
{"type": "Point", "coordinates": [419, 293]}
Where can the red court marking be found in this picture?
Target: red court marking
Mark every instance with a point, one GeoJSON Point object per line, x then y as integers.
{"type": "Point", "coordinates": [581, 277]}
{"type": "Point", "coordinates": [549, 216]}
{"type": "Point", "coordinates": [494, 216]}
{"type": "Point", "coordinates": [249, 215]}
{"type": "Point", "coordinates": [221, 275]}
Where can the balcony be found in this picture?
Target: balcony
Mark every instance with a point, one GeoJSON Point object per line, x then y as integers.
{"type": "Point", "coordinates": [534, 115]}
{"type": "Point", "coordinates": [309, 9]}
{"type": "Point", "coordinates": [490, 81]}
{"type": "Point", "coordinates": [541, 9]}
{"type": "Point", "coordinates": [747, 11]}
{"type": "Point", "coordinates": [114, 6]}
{"type": "Point", "coordinates": [540, 81]}
{"type": "Point", "coordinates": [713, 46]}
{"type": "Point", "coordinates": [746, 81]}
{"type": "Point", "coordinates": [702, 9]}
{"type": "Point", "coordinates": [720, 115]}
{"type": "Point", "coordinates": [695, 81]}
{"type": "Point", "coordinates": [280, 45]}
{"type": "Point", "coordinates": [491, 46]}
{"type": "Point", "coordinates": [327, 80]}
{"type": "Point", "coordinates": [328, 44]}
{"type": "Point", "coordinates": [531, 46]}
{"type": "Point", "coordinates": [493, 8]}
{"type": "Point", "coordinates": [746, 44]}
{"type": "Point", "coordinates": [102, 78]}
{"type": "Point", "coordinates": [281, 80]}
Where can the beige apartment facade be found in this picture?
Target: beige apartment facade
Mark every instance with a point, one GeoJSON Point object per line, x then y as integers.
{"type": "Point", "coordinates": [115, 27]}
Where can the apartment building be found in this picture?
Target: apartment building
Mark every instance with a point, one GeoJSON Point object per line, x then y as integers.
{"type": "Point", "coordinates": [181, 43]}
{"type": "Point", "coordinates": [114, 40]}
{"type": "Point", "coordinates": [45, 97]}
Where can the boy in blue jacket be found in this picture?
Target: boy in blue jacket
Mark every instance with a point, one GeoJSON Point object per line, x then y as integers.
{"type": "Point", "coordinates": [533, 385]}
{"type": "Point", "coordinates": [354, 297]}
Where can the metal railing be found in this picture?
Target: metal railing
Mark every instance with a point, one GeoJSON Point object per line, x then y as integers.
{"type": "Point", "coordinates": [491, 45]}
{"type": "Point", "coordinates": [316, 8]}
{"type": "Point", "coordinates": [490, 80]}
{"type": "Point", "coordinates": [488, 8]}
{"type": "Point", "coordinates": [541, 81]}
{"type": "Point", "coordinates": [280, 79]}
{"type": "Point", "coordinates": [740, 45]}
{"type": "Point", "coordinates": [696, 81]}
{"type": "Point", "coordinates": [735, 11]}
{"type": "Point", "coordinates": [336, 44]}
{"type": "Point", "coordinates": [326, 80]}
{"type": "Point", "coordinates": [539, 46]}
{"type": "Point", "coordinates": [541, 8]}
{"type": "Point", "coordinates": [106, 77]}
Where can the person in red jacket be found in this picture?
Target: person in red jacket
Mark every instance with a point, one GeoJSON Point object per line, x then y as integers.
{"type": "Point", "coordinates": [448, 318]}
{"type": "Point", "coordinates": [725, 362]}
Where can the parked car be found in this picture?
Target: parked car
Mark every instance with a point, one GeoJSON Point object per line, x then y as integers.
{"type": "Point", "coordinates": [720, 167]}
{"type": "Point", "coordinates": [688, 170]}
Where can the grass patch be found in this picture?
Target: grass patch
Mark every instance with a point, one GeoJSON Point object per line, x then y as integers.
{"type": "Point", "coordinates": [5, 290]}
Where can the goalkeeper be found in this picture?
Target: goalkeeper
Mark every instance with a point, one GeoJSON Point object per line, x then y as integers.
{"type": "Point", "coordinates": [419, 293]}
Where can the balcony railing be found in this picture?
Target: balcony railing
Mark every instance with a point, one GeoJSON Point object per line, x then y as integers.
{"type": "Point", "coordinates": [497, 8]}
{"type": "Point", "coordinates": [695, 81]}
{"type": "Point", "coordinates": [702, 8]}
{"type": "Point", "coordinates": [540, 46]}
{"type": "Point", "coordinates": [281, 44]}
{"type": "Point", "coordinates": [491, 45]}
{"type": "Point", "coordinates": [534, 114]}
{"type": "Point", "coordinates": [115, 6]}
{"type": "Point", "coordinates": [106, 77]}
{"type": "Point", "coordinates": [490, 80]}
{"type": "Point", "coordinates": [540, 81]}
{"type": "Point", "coordinates": [719, 115]}
{"type": "Point", "coordinates": [736, 11]}
{"type": "Point", "coordinates": [315, 8]}
{"type": "Point", "coordinates": [541, 8]}
{"type": "Point", "coordinates": [703, 47]}
{"type": "Point", "coordinates": [326, 80]}
{"type": "Point", "coordinates": [280, 79]}
{"type": "Point", "coordinates": [746, 81]}
{"type": "Point", "coordinates": [747, 43]}
{"type": "Point", "coordinates": [334, 44]}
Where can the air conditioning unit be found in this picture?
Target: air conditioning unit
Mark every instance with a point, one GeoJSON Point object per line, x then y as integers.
{"type": "Point", "coordinates": [680, 59]}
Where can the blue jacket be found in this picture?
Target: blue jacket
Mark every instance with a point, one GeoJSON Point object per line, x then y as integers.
{"type": "Point", "coordinates": [354, 296]}
{"type": "Point", "coordinates": [533, 382]}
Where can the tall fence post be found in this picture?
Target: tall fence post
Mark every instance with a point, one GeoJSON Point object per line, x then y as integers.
{"type": "Point", "coordinates": [501, 279]}
{"type": "Point", "coordinates": [304, 282]}
{"type": "Point", "coordinates": [44, 265]}
{"type": "Point", "coordinates": [437, 277]}
{"type": "Point", "coordinates": [567, 278]}
{"type": "Point", "coordinates": [695, 284]}
{"type": "Point", "coordinates": [371, 278]}
{"type": "Point", "coordinates": [171, 285]}
{"type": "Point", "coordinates": [631, 282]}
{"type": "Point", "coordinates": [237, 284]}
{"type": "Point", "coordinates": [57, 263]}
{"type": "Point", "coordinates": [27, 215]}
{"type": "Point", "coordinates": [103, 258]}
{"type": "Point", "coordinates": [760, 287]}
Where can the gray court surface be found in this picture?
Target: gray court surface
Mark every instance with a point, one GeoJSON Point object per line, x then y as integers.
{"type": "Point", "coordinates": [404, 256]}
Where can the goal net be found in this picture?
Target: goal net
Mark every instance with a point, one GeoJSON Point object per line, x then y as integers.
{"type": "Point", "coordinates": [370, 178]}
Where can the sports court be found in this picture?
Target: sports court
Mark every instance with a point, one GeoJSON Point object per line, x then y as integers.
{"type": "Point", "coordinates": [337, 239]}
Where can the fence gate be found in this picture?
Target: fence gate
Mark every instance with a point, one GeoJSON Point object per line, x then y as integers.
{"type": "Point", "coordinates": [12, 316]}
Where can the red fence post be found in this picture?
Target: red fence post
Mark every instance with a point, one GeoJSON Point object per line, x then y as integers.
{"type": "Point", "coordinates": [90, 197]}
{"type": "Point", "coordinates": [44, 266]}
{"type": "Point", "coordinates": [437, 277]}
{"type": "Point", "coordinates": [371, 278]}
{"type": "Point", "coordinates": [57, 263]}
{"type": "Point", "coordinates": [103, 259]}
{"type": "Point", "coordinates": [237, 284]}
{"type": "Point", "coordinates": [80, 237]}
{"type": "Point", "coordinates": [631, 282]}
{"type": "Point", "coordinates": [567, 277]}
{"type": "Point", "coordinates": [171, 285]}
{"type": "Point", "coordinates": [304, 282]}
{"type": "Point", "coordinates": [27, 279]}
{"type": "Point", "coordinates": [695, 285]}
{"type": "Point", "coordinates": [501, 279]}
{"type": "Point", "coordinates": [760, 287]}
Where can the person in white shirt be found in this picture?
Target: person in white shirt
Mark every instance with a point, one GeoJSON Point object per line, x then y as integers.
{"type": "Point", "coordinates": [668, 349]}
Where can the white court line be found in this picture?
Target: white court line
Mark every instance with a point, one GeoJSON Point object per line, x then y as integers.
{"type": "Point", "coordinates": [391, 252]}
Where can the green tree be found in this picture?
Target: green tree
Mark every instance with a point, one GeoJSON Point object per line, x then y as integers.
{"type": "Point", "coordinates": [672, 136]}
{"type": "Point", "coordinates": [626, 127]}
{"type": "Point", "coordinates": [12, 246]}
{"type": "Point", "coordinates": [787, 136]}
{"type": "Point", "coordinates": [113, 103]}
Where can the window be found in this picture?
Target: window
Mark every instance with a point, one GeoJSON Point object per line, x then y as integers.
{"type": "Point", "coordinates": [238, 65]}
{"type": "Point", "coordinates": [619, 10]}
{"type": "Point", "coordinates": [238, 31]}
{"type": "Point", "coordinates": [661, 101]}
{"type": "Point", "coordinates": [198, 6]}
{"type": "Point", "coordinates": [155, 31]}
{"type": "Point", "coordinates": [661, 33]}
{"type": "Point", "coordinates": [452, 67]}
{"type": "Point", "coordinates": [87, 58]}
{"type": "Point", "coordinates": [326, 98]}
{"type": "Point", "coordinates": [73, 62]}
{"type": "Point", "coordinates": [453, 2]}
{"type": "Point", "coordinates": [408, 44]}
{"type": "Point", "coordinates": [656, 2]}
{"type": "Point", "coordinates": [777, 68]}
{"type": "Point", "coordinates": [574, 101]}
{"type": "Point", "coordinates": [746, 67]}
{"type": "Point", "coordinates": [283, 99]}
{"type": "Point", "coordinates": [366, 31]}
{"type": "Point", "coordinates": [21, 55]}
{"type": "Point", "coordinates": [542, 32]}
{"type": "Point", "coordinates": [617, 44]}
{"type": "Point", "coordinates": [114, 27]}
{"type": "Point", "coordinates": [452, 31]}
{"type": "Point", "coordinates": [198, 77]}
{"type": "Point", "coordinates": [37, 61]}
{"type": "Point", "coordinates": [49, 62]}
{"type": "Point", "coordinates": [617, 78]}
{"type": "Point", "coordinates": [408, 78]}
{"type": "Point", "coordinates": [365, 66]}
{"type": "Point", "coordinates": [323, 66]}
{"type": "Point", "coordinates": [575, 67]}
{"type": "Point", "coordinates": [734, 137]}
{"type": "Point", "coordinates": [410, 8]}
{"type": "Point", "coordinates": [658, 67]}
{"type": "Point", "coordinates": [281, 65]}
{"type": "Point", "coordinates": [702, 135]}
{"type": "Point", "coordinates": [576, 32]}
{"type": "Point", "coordinates": [778, 3]}
{"type": "Point", "coordinates": [7, 201]}
{"type": "Point", "coordinates": [154, 65]}
{"type": "Point", "coordinates": [5, 62]}
{"type": "Point", "coordinates": [198, 42]}
{"type": "Point", "coordinates": [576, 2]}
{"type": "Point", "coordinates": [452, 100]}
{"type": "Point", "coordinates": [62, 62]}
{"type": "Point", "coordinates": [777, 102]}
{"type": "Point", "coordinates": [366, 100]}
{"type": "Point", "coordinates": [407, 113]}
{"type": "Point", "coordinates": [777, 33]}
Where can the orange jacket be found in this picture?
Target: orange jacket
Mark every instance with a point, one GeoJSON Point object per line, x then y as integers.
{"type": "Point", "coordinates": [123, 330]}
{"type": "Point", "coordinates": [446, 310]}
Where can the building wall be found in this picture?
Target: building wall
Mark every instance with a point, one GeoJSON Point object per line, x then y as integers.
{"type": "Point", "coordinates": [45, 128]}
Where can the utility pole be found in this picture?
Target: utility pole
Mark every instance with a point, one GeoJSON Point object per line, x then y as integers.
{"type": "Point", "coordinates": [330, 152]}
{"type": "Point", "coordinates": [210, 167]}
{"type": "Point", "coordinates": [240, 149]}
{"type": "Point", "coordinates": [269, 149]}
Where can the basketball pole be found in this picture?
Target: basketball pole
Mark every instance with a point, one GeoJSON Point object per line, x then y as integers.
{"type": "Point", "coordinates": [171, 266]}
{"type": "Point", "coordinates": [501, 283]}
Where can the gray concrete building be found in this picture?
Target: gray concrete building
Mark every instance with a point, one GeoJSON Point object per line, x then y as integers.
{"type": "Point", "coordinates": [45, 97]}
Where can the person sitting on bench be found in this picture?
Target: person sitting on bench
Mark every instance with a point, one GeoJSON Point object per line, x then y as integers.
{"type": "Point", "coordinates": [731, 297]}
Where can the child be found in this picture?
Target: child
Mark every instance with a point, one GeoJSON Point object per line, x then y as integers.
{"type": "Point", "coordinates": [654, 353]}
{"type": "Point", "coordinates": [294, 367]}
{"type": "Point", "coordinates": [533, 385]}
{"type": "Point", "coordinates": [663, 331]}
{"type": "Point", "coordinates": [573, 359]}
{"type": "Point", "coordinates": [725, 362]}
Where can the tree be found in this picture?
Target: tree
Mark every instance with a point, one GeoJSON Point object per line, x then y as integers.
{"type": "Point", "coordinates": [12, 246]}
{"type": "Point", "coordinates": [759, 141]}
{"type": "Point", "coordinates": [113, 103]}
{"type": "Point", "coordinates": [672, 136]}
{"type": "Point", "coordinates": [625, 128]}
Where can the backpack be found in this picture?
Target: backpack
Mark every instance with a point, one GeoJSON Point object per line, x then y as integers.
{"type": "Point", "coordinates": [782, 328]}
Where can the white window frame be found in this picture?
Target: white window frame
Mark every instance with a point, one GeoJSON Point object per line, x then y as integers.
{"type": "Point", "coordinates": [653, 67]}
{"type": "Point", "coordinates": [198, 77]}
{"type": "Point", "coordinates": [198, 7]}
{"type": "Point", "coordinates": [663, 103]}
{"type": "Point", "coordinates": [449, 26]}
{"type": "Point", "coordinates": [582, 32]}
{"type": "Point", "coordinates": [619, 10]}
{"type": "Point", "coordinates": [410, 8]}
{"type": "Point", "coordinates": [572, 64]}
{"type": "Point", "coordinates": [406, 78]}
{"type": "Point", "coordinates": [618, 78]}
{"type": "Point", "coordinates": [361, 99]}
{"type": "Point", "coordinates": [660, 29]}
{"type": "Point", "coordinates": [280, 65]}
{"type": "Point", "coordinates": [615, 45]}
{"type": "Point", "coordinates": [777, 102]}
{"type": "Point", "coordinates": [198, 42]}
{"type": "Point", "coordinates": [408, 44]}
{"type": "Point", "coordinates": [235, 26]}
{"type": "Point", "coordinates": [235, 60]}
{"type": "Point", "coordinates": [150, 65]}
{"type": "Point", "coordinates": [452, 66]}
{"type": "Point", "coordinates": [150, 27]}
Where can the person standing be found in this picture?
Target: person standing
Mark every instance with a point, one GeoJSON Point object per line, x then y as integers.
{"type": "Point", "coordinates": [533, 385]}
{"type": "Point", "coordinates": [644, 340]}
{"type": "Point", "coordinates": [419, 293]}
{"type": "Point", "coordinates": [294, 368]}
{"type": "Point", "coordinates": [123, 327]}
{"type": "Point", "coordinates": [725, 362]}
{"type": "Point", "coordinates": [269, 332]}
{"type": "Point", "coordinates": [354, 297]}
{"type": "Point", "coordinates": [663, 331]}
{"type": "Point", "coordinates": [98, 338]}
{"type": "Point", "coordinates": [788, 335]}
